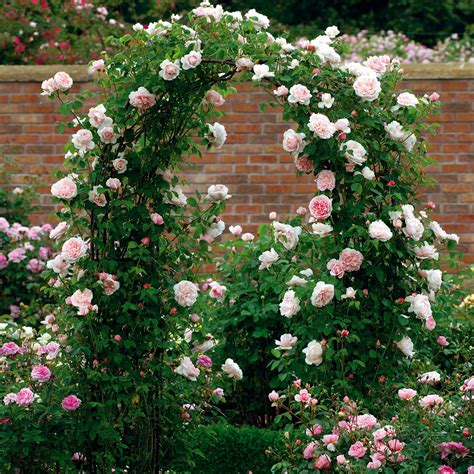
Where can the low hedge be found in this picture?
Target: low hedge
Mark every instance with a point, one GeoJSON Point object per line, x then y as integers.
{"type": "Point", "coordinates": [219, 448]}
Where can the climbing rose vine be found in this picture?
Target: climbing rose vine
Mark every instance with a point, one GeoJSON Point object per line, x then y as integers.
{"type": "Point", "coordinates": [132, 305]}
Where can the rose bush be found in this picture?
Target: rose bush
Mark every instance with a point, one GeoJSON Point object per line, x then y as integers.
{"type": "Point", "coordinates": [419, 431]}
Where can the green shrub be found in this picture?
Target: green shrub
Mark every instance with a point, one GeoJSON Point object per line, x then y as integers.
{"type": "Point", "coordinates": [222, 448]}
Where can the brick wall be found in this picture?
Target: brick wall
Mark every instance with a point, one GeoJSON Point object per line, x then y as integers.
{"type": "Point", "coordinates": [261, 177]}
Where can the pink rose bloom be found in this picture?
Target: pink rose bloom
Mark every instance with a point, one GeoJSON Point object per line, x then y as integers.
{"type": "Point", "coordinates": [430, 323]}
{"type": "Point", "coordinates": [431, 401]}
{"type": "Point", "coordinates": [217, 291]}
{"type": "Point", "coordinates": [113, 183]}
{"type": "Point", "coordinates": [169, 71]}
{"type": "Point", "coordinates": [59, 230]}
{"type": "Point", "coordinates": [3, 261]}
{"type": "Point", "coordinates": [82, 299]}
{"type": "Point", "coordinates": [44, 253]}
{"type": "Point", "coordinates": [247, 237]}
{"type": "Point", "coordinates": [341, 459]}
{"type": "Point", "coordinates": [142, 99]}
{"type": "Point", "coordinates": [9, 398]}
{"type": "Point", "coordinates": [320, 207]}
{"type": "Point", "coordinates": [304, 164]}
{"type": "Point", "coordinates": [330, 439]}
{"type": "Point", "coordinates": [97, 117]}
{"type": "Point", "coordinates": [25, 397]}
{"type": "Point", "coordinates": [357, 450]}
{"type": "Point", "coordinates": [367, 87]}
{"type": "Point", "coordinates": [65, 188]}
{"type": "Point", "coordinates": [314, 430]}
{"type": "Point", "coordinates": [74, 249]}
{"type": "Point", "coordinates": [188, 61]}
{"type": "Point", "coordinates": [120, 165]}
{"type": "Point", "coordinates": [204, 361]}
{"type": "Point", "coordinates": [406, 99]}
{"type": "Point", "coordinates": [321, 126]}
{"type": "Point", "coordinates": [35, 265]}
{"type": "Point", "coordinates": [9, 349]}
{"type": "Point", "coordinates": [351, 259]}
{"type": "Point", "coordinates": [52, 349]}
{"type": "Point", "coordinates": [4, 225]}
{"type": "Point", "coordinates": [63, 81]}
{"type": "Point", "coordinates": [214, 98]}
{"type": "Point", "coordinates": [434, 96]}
{"type": "Point", "coordinates": [218, 392]}
{"type": "Point", "coordinates": [83, 140]}
{"type": "Point", "coordinates": [71, 403]}
{"type": "Point", "coordinates": [445, 470]}
{"type": "Point", "coordinates": [98, 65]}
{"type": "Point", "coordinates": [185, 293]}
{"type": "Point", "coordinates": [303, 396]}
{"type": "Point", "coordinates": [107, 135]}
{"type": "Point", "coordinates": [293, 142]}
{"type": "Point", "coordinates": [326, 180]}
{"type": "Point", "coordinates": [40, 373]}
{"type": "Point", "coordinates": [17, 255]}
{"type": "Point", "coordinates": [376, 464]}
{"type": "Point", "coordinates": [273, 397]}
{"type": "Point", "coordinates": [366, 421]}
{"type": "Point", "coordinates": [187, 369]}
{"type": "Point", "coordinates": [395, 445]}
{"type": "Point", "coordinates": [309, 450]}
{"type": "Point", "coordinates": [235, 230]}
{"type": "Point", "coordinates": [379, 434]}
{"type": "Point", "coordinates": [380, 231]}
{"type": "Point", "coordinates": [323, 293]}
{"type": "Point", "coordinates": [281, 91]}
{"type": "Point", "coordinates": [442, 341]}
{"type": "Point", "coordinates": [378, 64]}
{"type": "Point", "coordinates": [336, 268]}
{"type": "Point", "coordinates": [323, 462]}
{"type": "Point", "coordinates": [156, 218]}
{"type": "Point", "coordinates": [299, 94]}
{"type": "Point", "coordinates": [49, 86]}
{"type": "Point", "coordinates": [452, 447]}
{"type": "Point", "coordinates": [407, 393]}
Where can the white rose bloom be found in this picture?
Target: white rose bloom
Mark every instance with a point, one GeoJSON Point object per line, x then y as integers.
{"type": "Point", "coordinates": [350, 293]}
{"type": "Point", "coordinates": [331, 31]}
{"type": "Point", "coordinates": [429, 378]}
{"type": "Point", "coordinates": [327, 101]}
{"type": "Point", "coordinates": [217, 135]}
{"type": "Point", "coordinates": [185, 293]}
{"type": "Point", "coordinates": [367, 173]}
{"type": "Point", "coordinates": [215, 229]}
{"type": "Point", "coordinates": [290, 304]}
{"type": "Point", "coordinates": [204, 346]}
{"type": "Point", "coordinates": [296, 281]}
{"type": "Point", "coordinates": [286, 342]}
{"type": "Point", "coordinates": [187, 369]}
{"type": "Point", "coordinates": [267, 259]}
{"type": "Point", "coordinates": [314, 353]}
{"type": "Point", "coordinates": [178, 198]}
{"type": "Point", "coordinates": [406, 346]}
{"type": "Point", "coordinates": [420, 305]}
{"type": "Point", "coordinates": [232, 369]}
{"type": "Point", "coordinates": [414, 228]}
{"type": "Point", "coordinates": [259, 21]}
{"type": "Point", "coordinates": [434, 279]}
{"type": "Point", "coordinates": [426, 251]}
{"type": "Point", "coordinates": [354, 152]}
{"type": "Point", "coordinates": [58, 265]}
{"type": "Point", "coordinates": [307, 272]}
{"type": "Point", "coordinates": [261, 71]}
{"type": "Point", "coordinates": [287, 235]}
{"type": "Point", "coordinates": [218, 193]}
{"type": "Point", "coordinates": [321, 229]}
